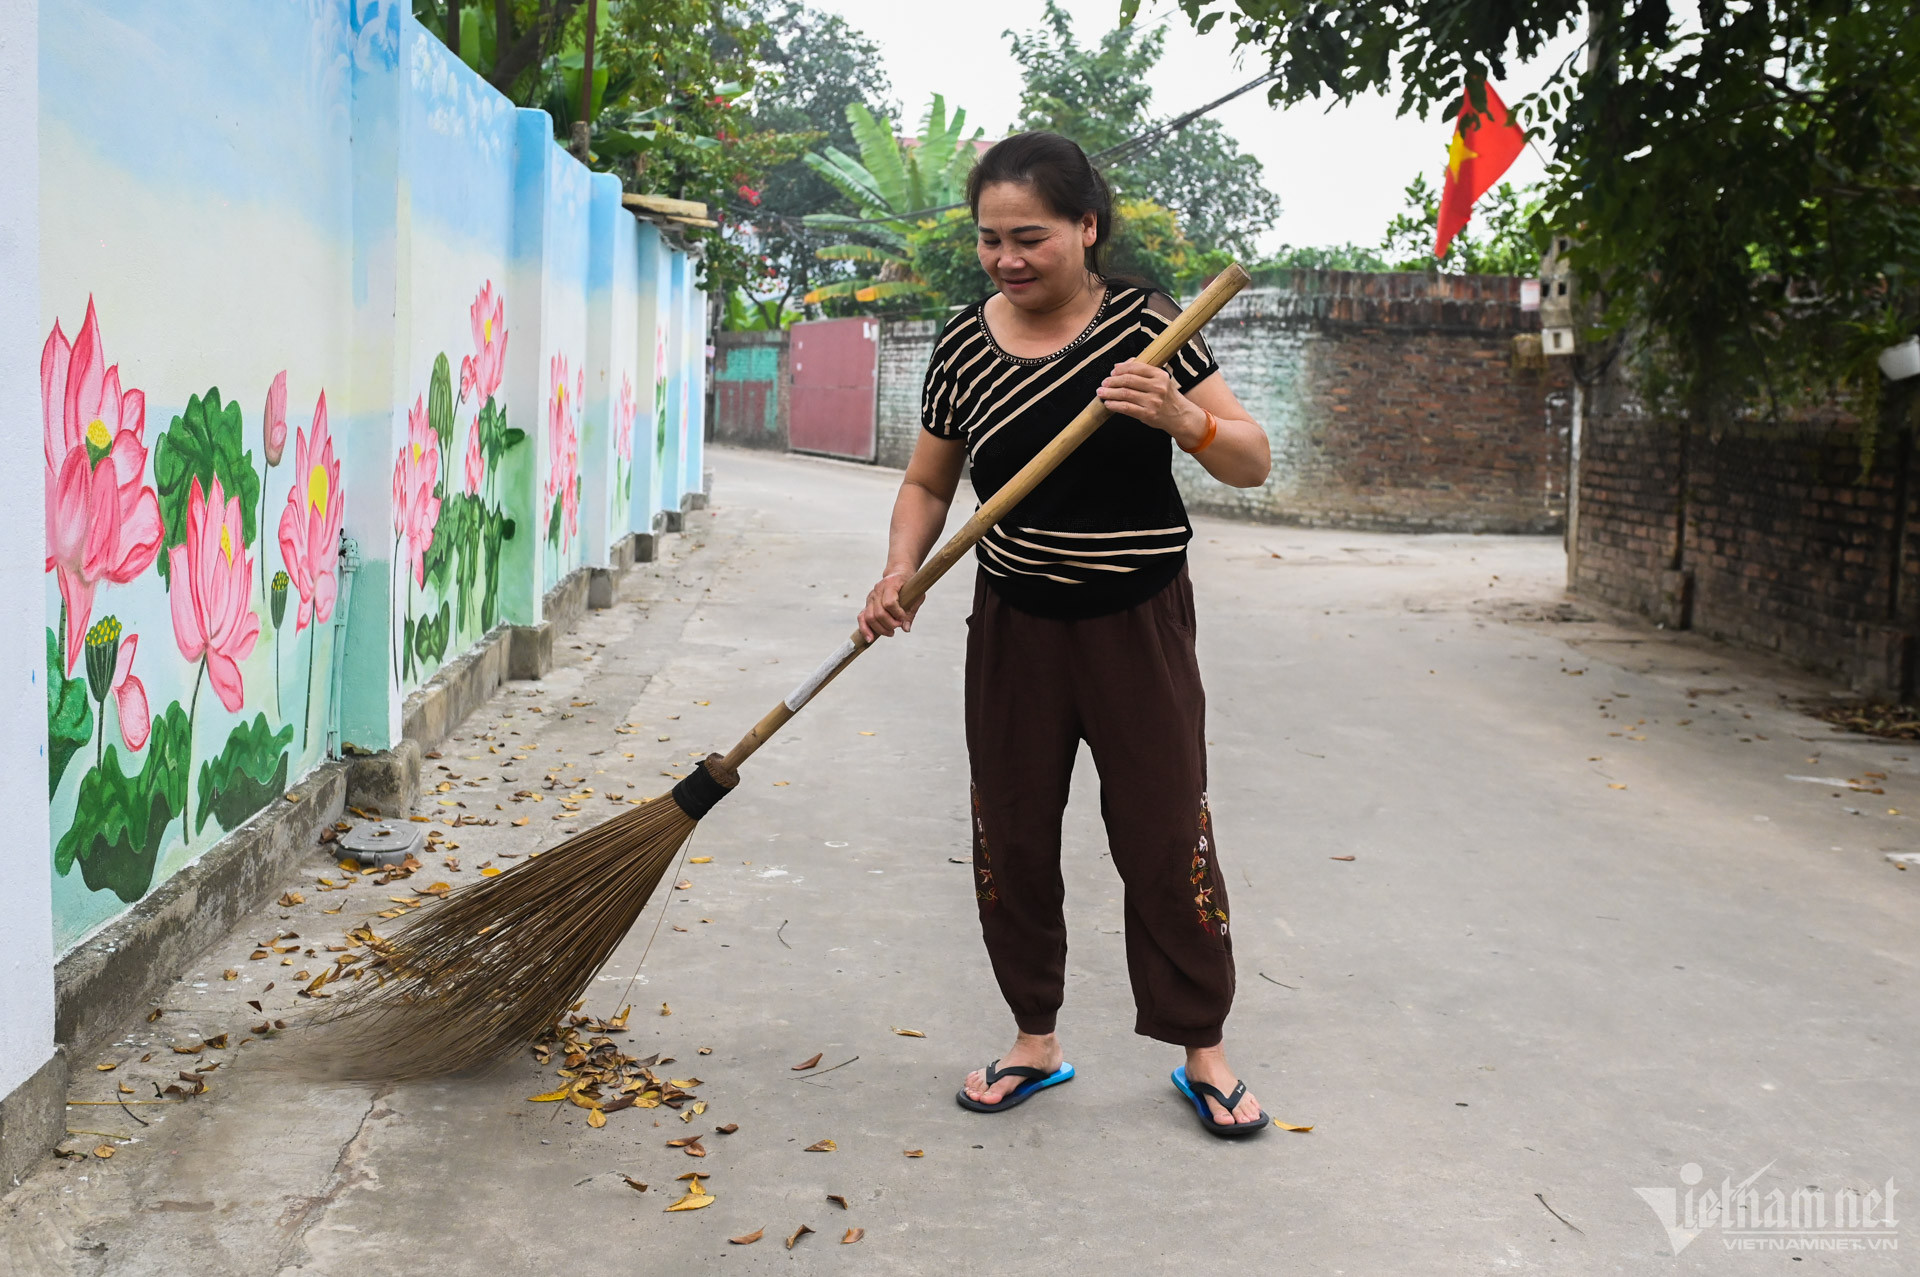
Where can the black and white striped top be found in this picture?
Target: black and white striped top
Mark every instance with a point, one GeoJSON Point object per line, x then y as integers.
{"type": "Point", "coordinates": [1105, 531]}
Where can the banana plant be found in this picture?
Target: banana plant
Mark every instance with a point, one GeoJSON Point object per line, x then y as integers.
{"type": "Point", "coordinates": [890, 184]}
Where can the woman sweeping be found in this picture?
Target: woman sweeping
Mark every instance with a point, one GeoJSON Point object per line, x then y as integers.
{"type": "Point", "coordinates": [1083, 623]}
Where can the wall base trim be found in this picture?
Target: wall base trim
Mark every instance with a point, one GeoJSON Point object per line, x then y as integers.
{"type": "Point", "coordinates": [33, 1118]}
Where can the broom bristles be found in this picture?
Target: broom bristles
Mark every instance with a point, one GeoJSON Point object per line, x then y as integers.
{"type": "Point", "coordinates": [486, 971]}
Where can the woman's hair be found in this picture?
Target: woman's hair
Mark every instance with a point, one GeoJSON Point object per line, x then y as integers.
{"type": "Point", "coordinates": [1059, 173]}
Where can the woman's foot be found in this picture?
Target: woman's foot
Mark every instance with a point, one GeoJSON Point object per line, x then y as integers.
{"type": "Point", "coordinates": [1209, 1064]}
{"type": "Point", "coordinates": [1031, 1050]}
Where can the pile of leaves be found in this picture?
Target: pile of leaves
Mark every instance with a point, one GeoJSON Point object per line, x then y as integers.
{"type": "Point", "coordinates": [1869, 718]}
{"type": "Point", "coordinates": [602, 1079]}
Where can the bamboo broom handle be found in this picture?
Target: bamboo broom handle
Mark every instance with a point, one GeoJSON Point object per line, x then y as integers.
{"type": "Point", "coordinates": [995, 508]}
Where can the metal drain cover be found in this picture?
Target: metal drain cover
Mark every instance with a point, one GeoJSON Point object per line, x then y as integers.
{"type": "Point", "coordinates": [382, 842]}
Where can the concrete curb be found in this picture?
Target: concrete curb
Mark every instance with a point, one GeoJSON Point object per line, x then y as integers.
{"type": "Point", "coordinates": [33, 1118]}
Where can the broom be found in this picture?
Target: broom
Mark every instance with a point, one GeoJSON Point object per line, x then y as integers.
{"type": "Point", "coordinates": [497, 963]}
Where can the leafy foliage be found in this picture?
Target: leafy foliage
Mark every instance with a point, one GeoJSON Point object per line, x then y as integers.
{"type": "Point", "coordinates": [1099, 97]}
{"type": "Point", "coordinates": [205, 443]}
{"type": "Point", "coordinates": [249, 773]}
{"type": "Point", "coordinates": [1503, 246]}
{"type": "Point", "coordinates": [1742, 181]}
{"type": "Point", "coordinates": [120, 821]}
{"type": "Point", "coordinates": [69, 715]}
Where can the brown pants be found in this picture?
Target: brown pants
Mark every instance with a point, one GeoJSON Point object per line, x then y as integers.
{"type": "Point", "coordinates": [1127, 684]}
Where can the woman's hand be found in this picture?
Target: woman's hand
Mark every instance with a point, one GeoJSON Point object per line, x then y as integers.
{"type": "Point", "coordinates": [883, 613]}
{"type": "Point", "coordinates": [1148, 394]}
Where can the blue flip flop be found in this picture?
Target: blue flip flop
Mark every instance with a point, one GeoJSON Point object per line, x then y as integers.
{"type": "Point", "coordinates": [1036, 1083]}
{"type": "Point", "coordinates": [1227, 1130]}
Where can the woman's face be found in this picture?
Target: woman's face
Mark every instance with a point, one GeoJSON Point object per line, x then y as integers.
{"type": "Point", "coordinates": [1035, 257]}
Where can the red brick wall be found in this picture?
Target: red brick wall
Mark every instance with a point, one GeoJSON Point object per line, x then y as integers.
{"type": "Point", "coordinates": [1789, 547]}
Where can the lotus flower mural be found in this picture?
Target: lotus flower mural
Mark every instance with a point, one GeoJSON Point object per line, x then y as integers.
{"type": "Point", "coordinates": [310, 536]}
{"type": "Point", "coordinates": [103, 519]}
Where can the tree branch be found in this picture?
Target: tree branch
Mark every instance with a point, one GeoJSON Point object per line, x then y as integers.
{"type": "Point", "coordinates": [510, 60]}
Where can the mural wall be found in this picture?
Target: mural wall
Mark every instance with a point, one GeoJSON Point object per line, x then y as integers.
{"type": "Point", "coordinates": [327, 345]}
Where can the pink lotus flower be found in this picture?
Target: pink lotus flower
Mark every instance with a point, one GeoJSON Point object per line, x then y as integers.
{"type": "Point", "coordinates": [103, 523]}
{"type": "Point", "coordinates": [274, 420]}
{"type": "Point", "coordinates": [480, 372]}
{"type": "Point", "coordinates": [310, 525]}
{"type": "Point", "coordinates": [211, 592]}
{"type": "Point", "coordinates": [476, 462]}
{"type": "Point", "coordinates": [623, 420]}
{"type": "Point", "coordinates": [130, 694]}
{"type": "Point", "coordinates": [416, 511]}
{"type": "Point", "coordinates": [563, 447]}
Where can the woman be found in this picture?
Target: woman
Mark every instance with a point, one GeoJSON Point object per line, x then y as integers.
{"type": "Point", "coordinates": [1082, 625]}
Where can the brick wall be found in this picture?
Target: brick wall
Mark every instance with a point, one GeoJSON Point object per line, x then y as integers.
{"type": "Point", "coordinates": [905, 347]}
{"type": "Point", "coordinates": [1789, 544]}
{"type": "Point", "coordinates": [750, 386]}
{"type": "Point", "coordinates": [1390, 401]}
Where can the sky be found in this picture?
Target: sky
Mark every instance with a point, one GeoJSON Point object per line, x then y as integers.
{"type": "Point", "coordinates": [1340, 174]}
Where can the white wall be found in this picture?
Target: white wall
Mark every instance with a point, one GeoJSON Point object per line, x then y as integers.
{"type": "Point", "coordinates": [26, 910]}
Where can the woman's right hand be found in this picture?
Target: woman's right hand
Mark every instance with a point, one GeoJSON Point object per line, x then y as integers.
{"type": "Point", "coordinates": [883, 613]}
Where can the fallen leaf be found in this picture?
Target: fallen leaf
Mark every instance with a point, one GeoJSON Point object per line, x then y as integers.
{"type": "Point", "coordinates": [665, 1009]}
{"type": "Point", "coordinates": [596, 1119]}
{"type": "Point", "coordinates": [189, 1050]}
{"type": "Point", "coordinates": [560, 1094]}
{"type": "Point", "coordinates": [728, 1129]}
{"type": "Point", "coordinates": [750, 1238]}
{"type": "Point", "coordinates": [910, 1033]}
{"type": "Point", "coordinates": [866, 733]}
{"type": "Point", "coordinates": [106, 1068]}
{"type": "Point", "coordinates": [696, 1198]}
{"type": "Point", "coordinates": [808, 1063]}
{"type": "Point", "coordinates": [219, 1043]}
{"type": "Point", "coordinates": [1286, 1126]}
{"type": "Point", "coordinates": [684, 1083]}
{"type": "Point", "coordinates": [491, 871]}
{"type": "Point", "coordinates": [706, 1050]}
{"type": "Point", "coordinates": [915, 1152]}
{"type": "Point", "coordinates": [125, 1089]}
{"type": "Point", "coordinates": [1339, 857]}
{"type": "Point", "coordinates": [696, 1175]}
{"type": "Point", "coordinates": [292, 898]}
{"type": "Point", "coordinates": [683, 885]}
{"type": "Point", "coordinates": [229, 974]}
{"type": "Point", "coordinates": [824, 1146]}
{"type": "Point", "coordinates": [634, 1184]}
{"type": "Point", "coordinates": [1616, 785]}
{"type": "Point", "coordinates": [523, 820]}
{"type": "Point", "coordinates": [798, 1233]}
{"type": "Point", "coordinates": [153, 1015]}
{"type": "Point", "coordinates": [837, 1200]}
{"type": "Point", "coordinates": [105, 1151]}
{"type": "Point", "coordinates": [853, 1235]}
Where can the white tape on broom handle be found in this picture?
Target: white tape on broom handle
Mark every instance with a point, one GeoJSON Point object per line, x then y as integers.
{"type": "Point", "coordinates": [804, 693]}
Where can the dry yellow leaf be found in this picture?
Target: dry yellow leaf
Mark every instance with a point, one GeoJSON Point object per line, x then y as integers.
{"type": "Point", "coordinates": [1287, 1126]}
{"type": "Point", "coordinates": [696, 1198]}
{"type": "Point", "coordinates": [910, 1033]}
{"type": "Point", "coordinates": [853, 1235]}
{"type": "Point", "coordinates": [634, 1184]}
{"type": "Point", "coordinates": [560, 1094]}
{"type": "Point", "coordinates": [701, 860]}
{"type": "Point", "coordinates": [698, 1107]}
{"type": "Point", "coordinates": [106, 1068]}
{"type": "Point", "coordinates": [229, 974]}
{"type": "Point", "coordinates": [1616, 785]}
{"type": "Point", "coordinates": [798, 1233]}
{"type": "Point", "coordinates": [103, 1151]}
{"type": "Point", "coordinates": [824, 1146]}
{"type": "Point", "coordinates": [596, 1119]}
{"type": "Point", "coordinates": [665, 1009]}
{"type": "Point", "coordinates": [125, 1089]}
{"type": "Point", "coordinates": [750, 1238]}
{"type": "Point", "coordinates": [684, 1083]}
{"type": "Point", "coordinates": [915, 1152]}
{"type": "Point", "coordinates": [491, 871]}
{"type": "Point", "coordinates": [291, 899]}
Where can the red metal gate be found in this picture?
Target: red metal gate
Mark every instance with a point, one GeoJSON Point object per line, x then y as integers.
{"type": "Point", "coordinates": [836, 381]}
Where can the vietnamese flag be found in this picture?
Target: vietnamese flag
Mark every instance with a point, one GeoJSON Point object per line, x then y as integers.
{"type": "Point", "coordinates": [1482, 149]}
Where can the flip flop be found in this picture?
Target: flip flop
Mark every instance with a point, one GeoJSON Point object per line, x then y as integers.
{"type": "Point", "coordinates": [1196, 1091]}
{"type": "Point", "coordinates": [1019, 1095]}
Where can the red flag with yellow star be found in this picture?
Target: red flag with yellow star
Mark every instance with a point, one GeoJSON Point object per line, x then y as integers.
{"type": "Point", "coordinates": [1482, 149]}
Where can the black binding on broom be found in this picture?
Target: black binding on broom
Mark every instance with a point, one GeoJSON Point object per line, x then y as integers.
{"type": "Point", "coordinates": [699, 793]}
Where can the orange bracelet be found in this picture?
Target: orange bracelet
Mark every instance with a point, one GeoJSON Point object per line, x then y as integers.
{"type": "Point", "coordinates": [1213, 428]}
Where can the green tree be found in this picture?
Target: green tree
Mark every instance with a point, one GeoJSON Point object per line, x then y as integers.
{"type": "Point", "coordinates": [1742, 181]}
{"type": "Point", "coordinates": [815, 65]}
{"type": "Point", "coordinates": [1497, 241]}
{"type": "Point", "coordinates": [886, 184]}
{"type": "Point", "coordinates": [1098, 96]}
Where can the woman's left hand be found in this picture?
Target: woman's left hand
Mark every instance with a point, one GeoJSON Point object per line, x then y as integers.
{"type": "Point", "coordinates": [1148, 394]}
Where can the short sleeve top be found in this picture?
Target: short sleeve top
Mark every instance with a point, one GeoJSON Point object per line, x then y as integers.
{"type": "Point", "coordinates": [1107, 529]}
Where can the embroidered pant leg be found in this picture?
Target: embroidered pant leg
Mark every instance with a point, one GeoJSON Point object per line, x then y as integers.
{"type": "Point", "coordinates": [1022, 735]}
{"type": "Point", "coordinates": [1144, 716]}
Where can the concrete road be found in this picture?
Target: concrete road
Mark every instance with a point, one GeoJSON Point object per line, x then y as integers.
{"type": "Point", "coordinates": [1531, 911]}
